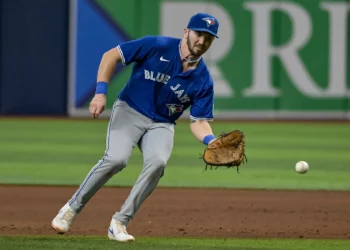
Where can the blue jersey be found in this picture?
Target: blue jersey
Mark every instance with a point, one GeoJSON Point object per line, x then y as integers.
{"type": "Point", "coordinates": [157, 87]}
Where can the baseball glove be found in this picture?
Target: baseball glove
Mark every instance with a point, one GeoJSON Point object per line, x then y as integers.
{"type": "Point", "coordinates": [227, 150]}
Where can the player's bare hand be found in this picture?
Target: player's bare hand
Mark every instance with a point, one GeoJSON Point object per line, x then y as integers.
{"type": "Point", "coordinates": [97, 105]}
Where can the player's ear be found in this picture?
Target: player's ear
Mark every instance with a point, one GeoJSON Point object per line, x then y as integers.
{"type": "Point", "coordinates": [186, 31]}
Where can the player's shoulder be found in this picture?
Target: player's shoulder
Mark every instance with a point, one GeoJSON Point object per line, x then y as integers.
{"type": "Point", "coordinates": [164, 42]}
{"type": "Point", "coordinates": [204, 74]}
{"type": "Point", "coordinates": [148, 39]}
{"type": "Point", "coordinates": [160, 41]}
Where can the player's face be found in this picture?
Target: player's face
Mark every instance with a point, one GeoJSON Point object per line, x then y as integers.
{"type": "Point", "coordinates": [198, 42]}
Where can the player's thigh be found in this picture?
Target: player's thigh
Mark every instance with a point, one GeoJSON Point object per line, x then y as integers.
{"type": "Point", "coordinates": [157, 143]}
{"type": "Point", "coordinates": [125, 128]}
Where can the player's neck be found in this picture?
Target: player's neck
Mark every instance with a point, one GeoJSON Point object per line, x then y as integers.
{"type": "Point", "coordinates": [186, 57]}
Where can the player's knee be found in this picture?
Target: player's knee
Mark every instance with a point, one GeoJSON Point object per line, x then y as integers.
{"type": "Point", "coordinates": [158, 163]}
{"type": "Point", "coordinates": [117, 162]}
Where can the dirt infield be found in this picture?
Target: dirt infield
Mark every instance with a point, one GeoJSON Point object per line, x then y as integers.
{"type": "Point", "coordinates": [185, 212]}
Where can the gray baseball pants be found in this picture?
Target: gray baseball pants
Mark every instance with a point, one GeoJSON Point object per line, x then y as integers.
{"type": "Point", "coordinates": [128, 128]}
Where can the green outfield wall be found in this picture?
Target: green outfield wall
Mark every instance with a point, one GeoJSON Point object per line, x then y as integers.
{"type": "Point", "coordinates": [274, 59]}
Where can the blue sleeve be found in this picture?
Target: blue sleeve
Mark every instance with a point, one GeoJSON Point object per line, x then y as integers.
{"type": "Point", "coordinates": [203, 104]}
{"type": "Point", "coordinates": [137, 50]}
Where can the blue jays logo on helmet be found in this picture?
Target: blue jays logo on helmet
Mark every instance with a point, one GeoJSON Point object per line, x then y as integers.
{"type": "Point", "coordinates": [209, 20]}
{"type": "Point", "coordinates": [204, 22]}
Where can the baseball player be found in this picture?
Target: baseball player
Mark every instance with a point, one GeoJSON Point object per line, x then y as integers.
{"type": "Point", "coordinates": [169, 76]}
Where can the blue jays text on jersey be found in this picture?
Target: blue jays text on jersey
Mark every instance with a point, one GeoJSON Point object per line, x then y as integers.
{"type": "Point", "coordinates": [157, 87]}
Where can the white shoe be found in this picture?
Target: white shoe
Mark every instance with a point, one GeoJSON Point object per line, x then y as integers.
{"type": "Point", "coordinates": [117, 231]}
{"type": "Point", "coordinates": [61, 223]}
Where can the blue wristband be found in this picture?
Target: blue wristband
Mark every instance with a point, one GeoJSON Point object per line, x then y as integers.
{"type": "Point", "coordinates": [101, 88]}
{"type": "Point", "coordinates": [208, 138]}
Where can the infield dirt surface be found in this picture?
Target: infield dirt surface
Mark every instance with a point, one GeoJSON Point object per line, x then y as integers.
{"type": "Point", "coordinates": [179, 212]}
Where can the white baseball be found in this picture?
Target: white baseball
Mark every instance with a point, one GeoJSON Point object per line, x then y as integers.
{"type": "Point", "coordinates": [302, 167]}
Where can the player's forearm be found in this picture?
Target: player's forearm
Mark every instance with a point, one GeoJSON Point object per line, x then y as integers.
{"type": "Point", "coordinates": [201, 129]}
{"type": "Point", "coordinates": [108, 63]}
